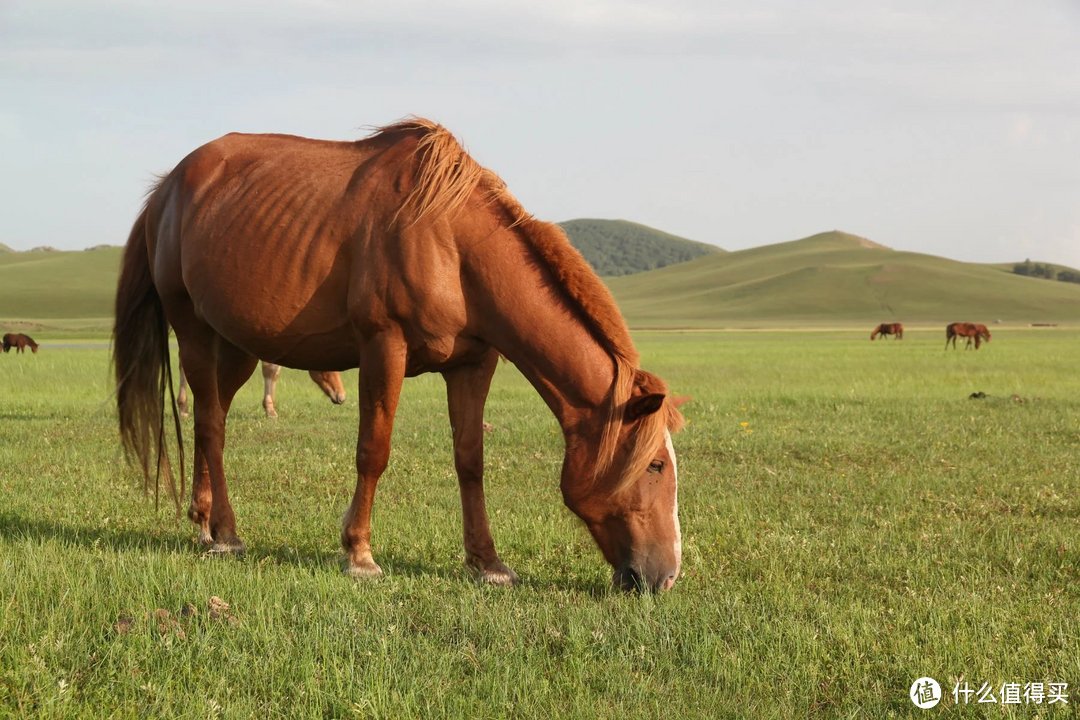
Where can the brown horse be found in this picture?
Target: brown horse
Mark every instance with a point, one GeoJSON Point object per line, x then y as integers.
{"type": "Point", "coordinates": [20, 342]}
{"type": "Point", "coordinates": [329, 382]}
{"type": "Point", "coordinates": [398, 254]}
{"type": "Point", "coordinates": [968, 331]}
{"type": "Point", "coordinates": [895, 329]}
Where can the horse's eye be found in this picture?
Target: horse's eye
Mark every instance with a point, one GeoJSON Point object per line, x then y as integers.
{"type": "Point", "coordinates": [656, 466]}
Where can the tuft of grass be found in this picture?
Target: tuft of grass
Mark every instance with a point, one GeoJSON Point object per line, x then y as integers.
{"type": "Point", "coordinates": [852, 521]}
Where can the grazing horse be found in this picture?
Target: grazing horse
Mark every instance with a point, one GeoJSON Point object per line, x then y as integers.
{"type": "Point", "coordinates": [895, 329]}
{"type": "Point", "coordinates": [329, 382]}
{"type": "Point", "coordinates": [398, 254]}
{"type": "Point", "coordinates": [968, 331]}
{"type": "Point", "coordinates": [20, 342]}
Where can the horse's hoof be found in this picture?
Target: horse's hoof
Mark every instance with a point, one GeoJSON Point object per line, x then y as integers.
{"type": "Point", "coordinates": [206, 539]}
{"type": "Point", "coordinates": [498, 574]}
{"type": "Point", "coordinates": [227, 547]}
{"type": "Point", "coordinates": [364, 570]}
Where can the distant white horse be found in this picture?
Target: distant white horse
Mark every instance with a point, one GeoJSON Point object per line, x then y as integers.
{"type": "Point", "coordinates": [329, 382]}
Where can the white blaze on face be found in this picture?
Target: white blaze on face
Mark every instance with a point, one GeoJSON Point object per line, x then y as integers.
{"type": "Point", "coordinates": [675, 505]}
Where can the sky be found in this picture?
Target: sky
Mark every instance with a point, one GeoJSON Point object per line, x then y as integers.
{"type": "Point", "coordinates": [949, 127]}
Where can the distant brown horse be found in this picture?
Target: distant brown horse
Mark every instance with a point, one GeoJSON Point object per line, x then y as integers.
{"type": "Point", "coordinates": [968, 331]}
{"type": "Point", "coordinates": [895, 329]}
{"type": "Point", "coordinates": [398, 254]}
{"type": "Point", "coordinates": [329, 382]}
{"type": "Point", "coordinates": [20, 342]}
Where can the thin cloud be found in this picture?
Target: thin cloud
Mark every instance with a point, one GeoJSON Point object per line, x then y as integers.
{"type": "Point", "coordinates": [921, 124]}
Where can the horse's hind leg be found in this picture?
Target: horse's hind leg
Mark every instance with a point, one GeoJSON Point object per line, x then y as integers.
{"type": "Point", "coordinates": [270, 373]}
{"type": "Point", "coordinates": [215, 370]}
{"type": "Point", "coordinates": [466, 391]}
{"type": "Point", "coordinates": [182, 393]}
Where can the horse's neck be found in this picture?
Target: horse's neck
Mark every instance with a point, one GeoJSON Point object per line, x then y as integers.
{"type": "Point", "coordinates": [561, 359]}
{"type": "Point", "coordinates": [533, 325]}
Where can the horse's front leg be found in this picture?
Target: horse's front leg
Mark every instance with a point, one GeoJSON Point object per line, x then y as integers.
{"type": "Point", "coordinates": [466, 391]}
{"type": "Point", "coordinates": [382, 370]}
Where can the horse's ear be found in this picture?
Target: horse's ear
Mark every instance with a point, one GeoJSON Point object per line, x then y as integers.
{"type": "Point", "coordinates": [643, 405]}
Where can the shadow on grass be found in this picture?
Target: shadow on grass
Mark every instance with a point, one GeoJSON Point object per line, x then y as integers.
{"type": "Point", "coordinates": [17, 527]}
{"type": "Point", "coordinates": [173, 541]}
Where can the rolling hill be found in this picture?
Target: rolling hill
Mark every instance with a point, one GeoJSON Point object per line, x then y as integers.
{"type": "Point", "coordinates": [824, 279]}
{"type": "Point", "coordinates": [58, 284]}
{"type": "Point", "coordinates": [619, 247]}
{"type": "Point", "coordinates": [836, 277]}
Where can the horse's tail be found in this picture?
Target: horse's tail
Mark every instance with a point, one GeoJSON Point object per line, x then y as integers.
{"type": "Point", "coordinates": [142, 365]}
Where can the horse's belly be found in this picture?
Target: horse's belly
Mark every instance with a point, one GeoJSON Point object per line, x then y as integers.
{"type": "Point", "coordinates": [272, 307]}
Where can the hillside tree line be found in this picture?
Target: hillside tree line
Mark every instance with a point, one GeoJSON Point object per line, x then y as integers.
{"type": "Point", "coordinates": [1046, 271]}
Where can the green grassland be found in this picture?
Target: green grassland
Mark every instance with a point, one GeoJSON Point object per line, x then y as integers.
{"type": "Point", "coordinates": [852, 521]}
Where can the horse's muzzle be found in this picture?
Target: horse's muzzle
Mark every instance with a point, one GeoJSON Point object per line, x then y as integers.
{"type": "Point", "coordinates": [630, 579]}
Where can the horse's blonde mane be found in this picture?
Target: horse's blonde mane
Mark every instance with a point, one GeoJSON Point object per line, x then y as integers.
{"type": "Point", "coordinates": [446, 177]}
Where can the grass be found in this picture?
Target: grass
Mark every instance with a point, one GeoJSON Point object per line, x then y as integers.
{"type": "Point", "coordinates": [852, 521]}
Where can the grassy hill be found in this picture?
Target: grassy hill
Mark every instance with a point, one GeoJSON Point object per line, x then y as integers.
{"type": "Point", "coordinates": [43, 284]}
{"type": "Point", "coordinates": [618, 247]}
{"type": "Point", "coordinates": [820, 280]}
{"type": "Point", "coordinates": [837, 277]}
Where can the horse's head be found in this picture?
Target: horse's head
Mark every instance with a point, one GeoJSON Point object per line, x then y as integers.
{"type": "Point", "coordinates": [631, 507]}
{"type": "Point", "coordinates": [331, 384]}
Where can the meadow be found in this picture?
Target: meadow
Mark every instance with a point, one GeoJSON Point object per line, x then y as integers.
{"type": "Point", "coordinates": [852, 521]}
